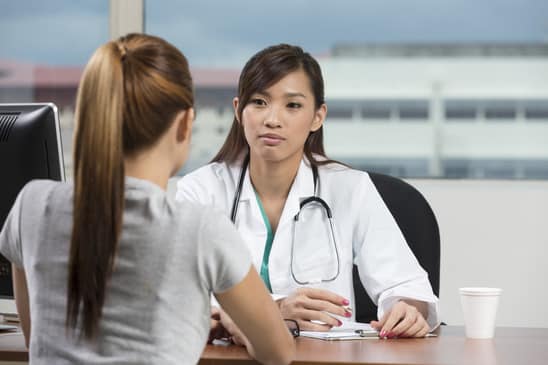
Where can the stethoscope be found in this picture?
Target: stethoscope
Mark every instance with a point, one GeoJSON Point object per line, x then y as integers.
{"type": "Point", "coordinates": [315, 199]}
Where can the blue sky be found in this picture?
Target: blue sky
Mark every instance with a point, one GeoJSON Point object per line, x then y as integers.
{"type": "Point", "coordinates": [225, 33]}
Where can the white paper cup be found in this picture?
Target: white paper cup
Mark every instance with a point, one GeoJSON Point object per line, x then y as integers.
{"type": "Point", "coordinates": [479, 306]}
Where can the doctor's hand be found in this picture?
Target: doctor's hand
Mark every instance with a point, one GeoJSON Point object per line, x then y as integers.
{"type": "Point", "coordinates": [403, 320]}
{"type": "Point", "coordinates": [307, 304]}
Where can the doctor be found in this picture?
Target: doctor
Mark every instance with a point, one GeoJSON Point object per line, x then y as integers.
{"type": "Point", "coordinates": [307, 219]}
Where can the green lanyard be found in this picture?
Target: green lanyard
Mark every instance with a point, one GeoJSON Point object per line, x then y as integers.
{"type": "Point", "coordinates": [268, 246]}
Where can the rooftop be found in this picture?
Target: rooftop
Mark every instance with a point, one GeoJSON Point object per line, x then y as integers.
{"type": "Point", "coordinates": [23, 74]}
{"type": "Point", "coordinates": [450, 50]}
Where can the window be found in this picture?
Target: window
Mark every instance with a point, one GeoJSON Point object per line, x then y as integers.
{"type": "Point", "coordinates": [40, 61]}
{"type": "Point", "coordinates": [536, 172]}
{"type": "Point", "coordinates": [460, 110]}
{"type": "Point", "coordinates": [340, 110]}
{"type": "Point", "coordinates": [417, 87]}
{"type": "Point", "coordinates": [376, 109]}
{"type": "Point", "coordinates": [536, 110]}
{"type": "Point", "coordinates": [457, 172]}
{"type": "Point", "coordinates": [500, 110]}
{"type": "Point", "coordinates": [413, 109]}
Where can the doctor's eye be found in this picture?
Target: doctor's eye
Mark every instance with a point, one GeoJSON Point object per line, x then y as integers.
{"type": "Point", "coordinates": [294, 105]}
{"type": "Point", "coordinates": [258, 102]}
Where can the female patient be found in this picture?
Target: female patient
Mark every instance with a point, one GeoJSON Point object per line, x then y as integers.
{"type": "Point", "coordinates": [108, 269]}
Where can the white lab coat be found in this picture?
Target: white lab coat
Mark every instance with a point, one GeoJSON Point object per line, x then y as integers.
{"type": "Point", "coordinates": [366, 233]}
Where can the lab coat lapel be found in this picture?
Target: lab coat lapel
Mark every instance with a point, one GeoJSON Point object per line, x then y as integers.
{"type": "Point", "coordinates": [302, 187]}
{"type": "Point", "coordinates": [248, 201]}
{"type": "Point", "coordinates": [249, 220]}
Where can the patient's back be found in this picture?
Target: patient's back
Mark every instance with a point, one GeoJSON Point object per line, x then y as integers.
{"type": "Point", "coordinates": [169, 259]}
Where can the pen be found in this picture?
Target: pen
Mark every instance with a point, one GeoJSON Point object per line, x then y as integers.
{"type": "Point", "coordinates": [367, 333]}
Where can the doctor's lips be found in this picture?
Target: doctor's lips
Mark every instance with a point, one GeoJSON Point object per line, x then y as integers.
{"type": "Point", "coordinates": [271, 139]}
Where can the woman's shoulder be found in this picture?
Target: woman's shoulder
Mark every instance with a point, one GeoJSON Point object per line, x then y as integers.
{"type": "Point", "coordinates": [345, 183]}
{"type": "Point", "coordinates": [36, 191]}
{"type": "Point", "coordinates": [41, 185]}
{"type": "Point", "coordinates": [41, 201]}
{"type": "Point", "coordinates": [198, 222]}
{"type": "Point", "coordinates": [343, 173]}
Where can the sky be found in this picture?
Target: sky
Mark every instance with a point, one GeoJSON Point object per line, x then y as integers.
{"type": "Point", "coordinates": [226, 33]}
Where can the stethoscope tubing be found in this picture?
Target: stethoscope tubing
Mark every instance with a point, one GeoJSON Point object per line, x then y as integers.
{"type": "Point", "coordinates": [315, 198]}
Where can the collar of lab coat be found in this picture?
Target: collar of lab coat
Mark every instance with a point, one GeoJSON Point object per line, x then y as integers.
{"type": "Point", "coordinates": [302, 187]}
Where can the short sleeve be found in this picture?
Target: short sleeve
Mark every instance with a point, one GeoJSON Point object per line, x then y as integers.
{"type": "Point", "coordinates": [224, 260]}
{"type": "Point", "coordinates": [10, 238]}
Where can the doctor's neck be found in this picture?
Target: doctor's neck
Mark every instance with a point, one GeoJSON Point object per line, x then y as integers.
{"type": "Point", "coordinates": [273, 179]}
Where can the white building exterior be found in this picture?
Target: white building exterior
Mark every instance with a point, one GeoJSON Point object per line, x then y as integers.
{"type": "Point", "coordinates": [438, 111]}
{"type": "Point", "coordinates": [457, 114]}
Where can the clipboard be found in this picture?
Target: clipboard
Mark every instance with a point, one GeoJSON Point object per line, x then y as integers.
{"type": "Point", "coordinates": [341, 335]}
{"type": "Point", "coordinates": [348, 331]}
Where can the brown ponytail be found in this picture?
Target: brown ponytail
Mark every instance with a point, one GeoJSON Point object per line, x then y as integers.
{"type": "Point", "coordinates": [129, 94]}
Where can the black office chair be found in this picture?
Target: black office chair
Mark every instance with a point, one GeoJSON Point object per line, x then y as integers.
{"type": "Point", "coordinates": [420, 229]}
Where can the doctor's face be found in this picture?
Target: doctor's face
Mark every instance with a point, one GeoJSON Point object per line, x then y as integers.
{"type": "Point", "coordinates": [277, 121]}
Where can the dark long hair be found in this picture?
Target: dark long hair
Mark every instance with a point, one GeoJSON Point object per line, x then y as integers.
{"type": "Point", "coordinates": [130, 92]}
{"type": "Point", "coordinates": [263, 70]}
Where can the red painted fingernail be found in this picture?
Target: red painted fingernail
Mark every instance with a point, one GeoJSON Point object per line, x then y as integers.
{"type": "Point", "coordinates": [340, 323]}
{"type": "Point", "coordinates": [382, 333]}
{"type": "Point", "coordinates": [348, 314]}
{"type": "Point", "coordinates": [346, 302]}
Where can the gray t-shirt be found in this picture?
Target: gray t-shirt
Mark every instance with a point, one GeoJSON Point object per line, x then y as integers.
{"type": "Point", "coordinates": [170, 257]}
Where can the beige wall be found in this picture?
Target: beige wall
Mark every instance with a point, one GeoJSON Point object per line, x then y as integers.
{"type": "Point", "coordinates": [493, 233]}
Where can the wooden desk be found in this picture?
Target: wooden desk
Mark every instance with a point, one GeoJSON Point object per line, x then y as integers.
{"type": "Point", "coordinates": [12, 347]}
{"type": "Point", "coordinates": [510, 346]}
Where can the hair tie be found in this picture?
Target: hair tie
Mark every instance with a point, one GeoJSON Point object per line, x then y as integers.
{"type": "Point", "coordinates": [123, 51]}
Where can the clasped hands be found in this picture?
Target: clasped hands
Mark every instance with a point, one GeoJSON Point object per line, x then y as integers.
{"type": "Point", "coordinates": [314, 310]}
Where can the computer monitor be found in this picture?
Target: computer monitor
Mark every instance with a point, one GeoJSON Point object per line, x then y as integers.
{"type": "Point", "coordinates": [30, 148]}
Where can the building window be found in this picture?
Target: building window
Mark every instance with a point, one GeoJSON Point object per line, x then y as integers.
{"type": "Point", "coordinates": [376, 110]}
{"type": "Point", "coordinates": [339, 113]}
{"type": "Point", "coordinates": [412, 109]}
{"type": "Point", "coordinates": [461, 109]}
{"type": "Point", "coordinates": [500, 110]}
{"type": "Point", "coordinates": [375, 113]}
{"type": "Point", "coordinates": [536, 109]}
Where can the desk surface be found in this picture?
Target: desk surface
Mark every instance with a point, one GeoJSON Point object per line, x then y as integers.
{"type": "Point", "coordinates": [510, 346]}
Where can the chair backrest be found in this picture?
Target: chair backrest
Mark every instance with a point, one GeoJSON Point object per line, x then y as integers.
{"type": "Point", "coordinates": [418, 224]}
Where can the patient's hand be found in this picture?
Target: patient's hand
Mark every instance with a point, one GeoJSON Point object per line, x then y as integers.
{"type": "Point", "coordinates": [222, 327]}
{"type": "Point", "coordinates": [234, 333]}
{"type": "Point", "coordinates": [216, 331]}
